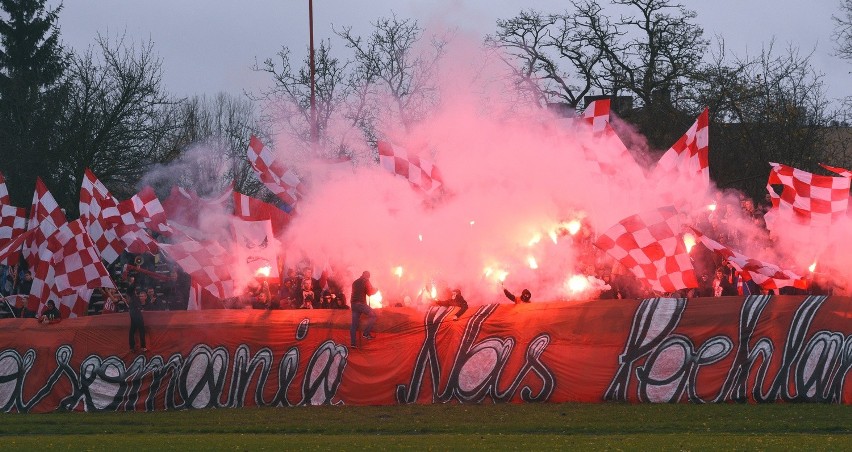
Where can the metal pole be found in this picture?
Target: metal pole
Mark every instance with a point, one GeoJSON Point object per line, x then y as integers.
{"type": "Point", "coordinates": [314, 131]}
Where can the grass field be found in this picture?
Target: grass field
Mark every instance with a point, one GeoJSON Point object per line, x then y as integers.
{"type": "Point", "coordinates": [444, 427]}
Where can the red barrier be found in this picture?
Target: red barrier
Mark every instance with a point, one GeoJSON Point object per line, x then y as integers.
{"type": "Point", "coordinates": [656, 350]}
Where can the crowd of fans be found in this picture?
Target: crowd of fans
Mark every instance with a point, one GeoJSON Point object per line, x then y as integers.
{"type": "Point", "coordinates": [167, 287]}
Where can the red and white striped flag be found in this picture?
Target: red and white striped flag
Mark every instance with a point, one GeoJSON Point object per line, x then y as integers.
{"type": "Point", "coordinates": [421, 173]}
{"type": "Point", "coordinates": [650, 245]}
{"type": "Point", "coordinates": [767, 276]}
{"type": "Point", "coordinates": [689, 155]}
{"type": "Point", "coordinates": [807, 199]}
{"type": "Point", "coordinates": [276, 176]}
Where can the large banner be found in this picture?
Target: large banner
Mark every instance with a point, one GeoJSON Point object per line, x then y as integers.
{"type": "Point", "coordinates": [763, 349]}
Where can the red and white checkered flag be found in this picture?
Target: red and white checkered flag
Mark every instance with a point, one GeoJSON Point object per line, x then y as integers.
{"type": "Point", "coordinates": [45, 217]}
{"type": "Point", "coordinates": [806, 199]}
{"type": "Point", "coordinates": [76, 262]}
{"type": "Point", "coordinates": [145, 211]}
{"type": "Point", "coordinates": [651, 246]}
{"type": "Point", "coordinates": [248, 208]}
{"type": "Point", "coordinates": [277, 177]}
{"type": "Point", "coordinates": [767, 276]}
{"type": "Point", "coordinates": [4, 192]}
{"type": "Point", "coordinates": [421, 173]}
{"type": "Point", "coordinates": [207, 263]}
{"type": "Point", "coordinates": [841, 171]}
{"type": "Point", "coordinates": [596, 115]}
{"type": "Point", "coordinates": [112, 230]}
{"type": "Point", "coordinates": [13, 223]}
{"type": "Point", "coordinates": [689, 155]}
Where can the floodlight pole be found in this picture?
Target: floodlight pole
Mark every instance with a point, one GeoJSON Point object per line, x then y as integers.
{"type": "Point", "coordinates": [314, 131]}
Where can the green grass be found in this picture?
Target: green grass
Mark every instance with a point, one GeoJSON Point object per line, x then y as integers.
{"type": "Point", "coordinates": [444, 427]}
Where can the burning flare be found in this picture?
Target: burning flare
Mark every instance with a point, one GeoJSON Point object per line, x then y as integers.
{"type": "Point", "coordinates": [573, 227]}
{"type": "Point", "coordinates": [533, 264]}
{"type": "Point", "coordinates": [263, 271]}
{"type": "Point", "coordinates": [375, 300]}
{"type": "Point", "coordinates": [812, 268]}
{"type": "Point", "coordinates": [689, 241]}
{"type": "Point", "coordinates": [398, 271]}
{"type": "Point", "coordinates": [577, 284]}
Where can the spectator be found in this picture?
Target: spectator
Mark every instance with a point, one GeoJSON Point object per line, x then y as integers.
{"type": "Point", "coordinates": [50, 313]}
{"type": "Point", "coordinates": [525, 297]}
{"type": "Point", "coordinates": [25, 284]}
{"type": "Point", "coordinates": [154, 303]}
{"type": "Point", "coordinates": [456, 299]}
{"type": "Point", "coordinates": [306, 297]}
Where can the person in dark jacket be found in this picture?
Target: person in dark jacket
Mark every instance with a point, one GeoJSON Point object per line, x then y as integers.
{"type": "Point", "coordinates": [361, 289]}
{"type": "Point", "coordinates": [456, 299]}
{"type": "Point", "coordinates": [137, 321]}
{"type": "Point", "coordinates": [50, 313]}
{"type": "Point", "coordinates": [525, 297]}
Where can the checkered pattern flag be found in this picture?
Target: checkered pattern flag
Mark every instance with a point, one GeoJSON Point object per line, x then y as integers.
{"type": "Point", "coordinates": [110, 230]}
{"type": "Point", "coordinates": [841, 171]}
{"type": "Point", "coordinates": [689, 155]}
{"type": "Point", "coordinates": [766, 275]}
{"type": "Point", "coordinates": [12, 247]}
{"type": "Point", "coordinates": [651, 246]}
{"type": "Point", "coordinates": [207, 263]}
{"type": "Point", "coordinates": [45, 218]}
{"type": "Point", "coordinates": [806, 199]}
{"type": "Point", "coordinates": [278, 178]}
{"type": "Point", "coordinates": [248, 208]}
{"type": "Point", "coordinates": [421, 173]}
{"type": "Point", "coordinates": [13, 223]}
{"type": "Point", "coordinates": [596, 115]}
{"type": "Point", "coordinates": [75, 260]}
{"type": "Point", "coordinates": [145, 211]}
{"type": "Point", "coordinates": [4, 192]}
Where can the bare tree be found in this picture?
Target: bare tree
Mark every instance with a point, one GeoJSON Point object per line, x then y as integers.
{"type": "Point", "coordinates": [535, 45]}
{"type": "Point", "coordinates": [390, 63]}
{"type": "Point", "coordinates": [288, 101]}
{"type": "Point", "coordinates": [207, 149]}
{"type": "Point", "coordinates": [843, 30]}
{"type": "Point", "coordinates": [771, 107]}
{"type": "Point", "coordinates": [115, 119]}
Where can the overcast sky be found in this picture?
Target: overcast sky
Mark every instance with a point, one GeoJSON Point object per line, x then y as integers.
{"type": "Point", "coordinates": [208, 46]}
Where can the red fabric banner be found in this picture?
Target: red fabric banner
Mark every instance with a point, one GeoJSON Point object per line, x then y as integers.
{"type": "Point", "coordinates": [765, 349]}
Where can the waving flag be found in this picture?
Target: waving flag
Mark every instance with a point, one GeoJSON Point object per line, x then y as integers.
{"type": "Point", "coordinates": [650, 245]}
{"type": "Point", "coordinates": [45, 218]}
{"type": "Point", "coordinates": [841, 171]}
{"type": "Point", "coordinates": [596, 114]}
{"type": "Point", "coordinates": [207, 263]}
{"type": "Point", "coordinates": [806, 199]}
{"type": "Point", "coordinates": [421, 173]}
{"type": "Point", "coordinates": [248, 208]}
{"type": "Point", "coordinates": [766, 275]}
{"type": "Point", "coordinates": [689, 155]}
{"type": "Point", "coordinates": [111, 229]}
{"type": "Point", "coordinates": [278, 178]}
{"type": "Point", "coordinates": [145, 211]}
{"type": "Point", "coordinates": [76, 262]}
{"type": "Point", "coordinates": [4, 192]}
{"type": "Point", "coordinates": [13, 223]}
